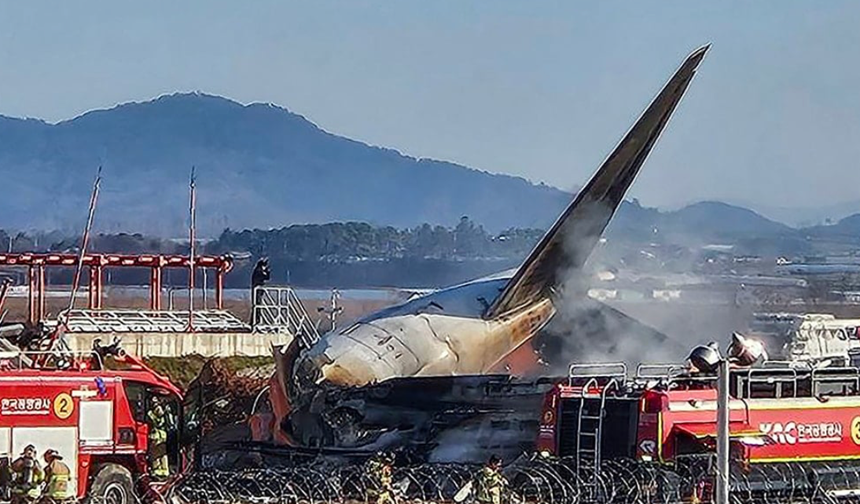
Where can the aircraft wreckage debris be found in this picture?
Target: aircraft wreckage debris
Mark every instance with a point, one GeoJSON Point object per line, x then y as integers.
{"type": "Point", "coordinates": [224, 395]}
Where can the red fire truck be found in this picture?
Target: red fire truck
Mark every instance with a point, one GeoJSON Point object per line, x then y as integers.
{"type": "Point", "coordinates": [95, 417]}
{"type": "Point", "coordinates": [782, 415]}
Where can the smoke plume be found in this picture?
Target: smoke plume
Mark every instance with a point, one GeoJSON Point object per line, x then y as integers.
{"type": "Point", "coordinates": [586, 330]}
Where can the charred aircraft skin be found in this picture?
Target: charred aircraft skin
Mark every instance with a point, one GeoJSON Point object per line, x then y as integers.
{"type": "Point", "coordinates": [439, 334]}
{"type": "Point", "coordinates": [471, 328]}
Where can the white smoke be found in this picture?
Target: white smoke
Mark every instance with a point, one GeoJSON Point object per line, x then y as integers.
{"type": "Point", "coordinates": [585, 330]}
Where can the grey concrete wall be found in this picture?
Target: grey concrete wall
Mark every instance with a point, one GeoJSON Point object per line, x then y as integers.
{"type": "Point", "coordinates": [179, 344]}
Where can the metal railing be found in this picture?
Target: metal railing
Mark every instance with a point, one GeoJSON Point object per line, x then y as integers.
{"type": "Point", "coordinates": [26, 359]}
{"type": "Point", "coordinates": [125, 321]}
{"type": "Point", "coordinates": [606, 371]}
{"type": "Point", "coordinates": [848, 377]}
{"type": "Point", "coordinates": [662, 371]}
{"type": "Point", "coordinates": [279, 310]}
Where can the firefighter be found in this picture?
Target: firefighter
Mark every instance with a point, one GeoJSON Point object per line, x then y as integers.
{"type": "Point", "coordinates": [380, 489]}
{"type": "Point", "coordinates": [261, 274]}
{"type": "Point", "coordinates": [158, 424]}
{"type": "Point", "coordinates": [57, 475]}
{"type": "Point", "coordinates": [489, 482]}
{"type": "Point", "coordinates": [26, 477]}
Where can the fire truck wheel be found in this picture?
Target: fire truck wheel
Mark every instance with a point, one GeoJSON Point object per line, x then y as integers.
{"type": "Point", "coordinates": [112, 485]}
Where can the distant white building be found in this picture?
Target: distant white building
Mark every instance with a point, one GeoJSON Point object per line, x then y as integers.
{"type": "Point", "coordinates": [666, 294]}
{"type": "Point", "coordinates": [603, 294]}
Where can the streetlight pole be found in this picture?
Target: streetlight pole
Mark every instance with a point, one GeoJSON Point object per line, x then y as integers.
{"type": "Point", "coordinates": [707, 358]}
{"type": "Point", "coordinates": [722, 486]}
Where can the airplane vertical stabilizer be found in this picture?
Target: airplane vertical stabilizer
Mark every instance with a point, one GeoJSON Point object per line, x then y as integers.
{"type": "Point", "coordinates": [569, 242]}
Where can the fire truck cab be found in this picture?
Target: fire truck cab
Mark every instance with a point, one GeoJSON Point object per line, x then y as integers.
{"type": "Point", "coordinates": [787, 415]}
{"type": "Point", "coordinates": [94, 417]}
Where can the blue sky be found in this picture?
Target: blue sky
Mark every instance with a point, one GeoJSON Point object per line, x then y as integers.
{"type": "Point", "coordinates": [538, 89]}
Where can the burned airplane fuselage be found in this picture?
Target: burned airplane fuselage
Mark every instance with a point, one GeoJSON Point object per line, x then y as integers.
{"type": "Point", "coordinates": [459, 418]}
{"type": "Point", "coordinates": [441, 333]}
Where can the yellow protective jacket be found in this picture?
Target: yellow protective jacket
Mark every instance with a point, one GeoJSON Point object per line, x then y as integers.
{"type": "Point", "coordinates": [57, 476]}
{"type": "Point", "coordinates": [489, 485]}
{"type": "Point", "coordinates": [157, 427]}
{"type": "Point", "coordinates": [380, 478]}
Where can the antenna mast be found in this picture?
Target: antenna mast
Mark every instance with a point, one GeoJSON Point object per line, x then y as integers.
{"type": "Point", "coordinates": [85, 239]}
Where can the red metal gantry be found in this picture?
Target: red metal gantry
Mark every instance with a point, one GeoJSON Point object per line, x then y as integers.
{"type": "Point", "coordinates": [98, 262]}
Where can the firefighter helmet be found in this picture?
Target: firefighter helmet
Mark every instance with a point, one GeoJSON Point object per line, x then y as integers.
{"type": "Point", "coordinates": [52, 454]}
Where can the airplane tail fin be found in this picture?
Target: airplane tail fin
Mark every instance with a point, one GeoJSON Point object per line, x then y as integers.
{"type": "Point", "coordinates": [569, 242]}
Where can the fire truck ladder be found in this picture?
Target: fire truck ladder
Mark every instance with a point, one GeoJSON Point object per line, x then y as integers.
{"type": "Point", "coordinates": [592, 403]}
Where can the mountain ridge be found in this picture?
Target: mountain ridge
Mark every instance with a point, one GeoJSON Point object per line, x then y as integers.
{"type": "Point", "coordinates": [252, 159]}
{"type": "Point", "coordinates": [261, 165]}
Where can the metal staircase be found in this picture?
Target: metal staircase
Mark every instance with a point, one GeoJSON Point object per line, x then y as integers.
{"type": "Point", "coordinates": [279, 310]}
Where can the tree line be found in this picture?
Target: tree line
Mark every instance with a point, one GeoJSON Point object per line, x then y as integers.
{"type": "Point", "coordinates": [358, 241]}
{"type": "Point", "coordinates": [344, 254]}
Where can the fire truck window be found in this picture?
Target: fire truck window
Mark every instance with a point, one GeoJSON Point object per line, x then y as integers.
{"type": "Point", "coordinates": [136, 393]}
{"type": "Point", "coordinates": [96, 421]}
